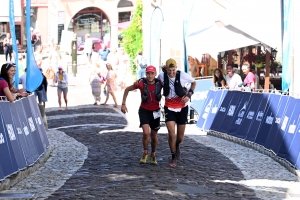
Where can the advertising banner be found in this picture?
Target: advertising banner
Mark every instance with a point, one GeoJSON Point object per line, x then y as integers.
{"type": "Point", "coordinates": [9, 128]}
{"type": "Point", "coordinates": [38, 120]}
{"type": "Point", "coordinates": [32, 126]}
{"type": "Point", "coordinates": [206, 109]}
{"type": "Point", "coordinates": [240, 114]}
{"type": "Point", "coordinates": [294, 149]}
{"type": "Point", "coordinates": [285, 121]}
{"type": "Point", "coordinates": [200, 94]}
{"type": "Point", "coordinates": [222, 111]}
{"type": "Point", "coordinates": [232, 109]}
{"type": "Point", "coordinates": [21, 135]}
{"type": "Point", "coordinates": [268, 119]}
{"type": "Point", "coordinates": [278, 121]}
{"type": "Point", "coordinates": [219, 96]}
{"type": "Point", "coordinates": [257, 120]}
{"type": "Point", "coordinates": [8, 161]}
{"type": "Point", "coordinates": [254, 104]}
{"type": "Point", "coordinates": [290, 130]}
{"type": "Point", "coordinates": [27, 132]}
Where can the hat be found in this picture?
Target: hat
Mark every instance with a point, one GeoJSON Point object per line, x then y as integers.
{"type": "Point", "coordinates": [60, 67]}
{"type": "Point", "coordinates": [171, 63]}
{"type": "Point", "coordinates": [151, 69]}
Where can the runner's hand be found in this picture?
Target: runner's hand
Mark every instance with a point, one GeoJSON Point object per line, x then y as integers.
{"type": "Point", "coordinates": [124, 109]}
{"type": "Point", "coordinates": [185, 99]}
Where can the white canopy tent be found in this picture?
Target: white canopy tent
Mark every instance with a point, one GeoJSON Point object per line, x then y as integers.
{"type": "Point", "coordinates": [4, 15]}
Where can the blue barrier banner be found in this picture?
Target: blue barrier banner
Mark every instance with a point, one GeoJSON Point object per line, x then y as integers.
{"type": "Point", "coordinates": [32, 126]}
{"type": "Point", "coordinates": [278, 121]}
{"type": "Point", "coordinates": [8, 161]}
{"type": "Point", "coordinates": [200, 94]}
{"type": "Point", "coordinates": [258, 118]}
{"type": "Point", "coordinates": [21, 135]}
{"type": "Point", "coordinates": [9, 126]}
{"type": "Point", "coordinates": [39, 121]}
{"type": "Point", "coordinates": [1, 172]}
{"type": "Point", "coordinates": [220, 94]}
{"type": "Point", "coordinates": [253, 106]}
{"type": "Point", "coordinates": [285, 121]}
{"type": "Point", "coordinates": [206, 109]}
{"type": "Point", "coordinates": [294, 149]}
{"type": "Point", "coordinates": [232, 110]}
{"type": "Point", "coordinates": [290, 131]}
{"type": "Point", "coordinates": [268, 120]}
{"type": "Point", "coordinates": [240, 114]}
{"type": "Point", "coordinates": [26, 129]}
{"type": "Point", "coordinates": [221, 114]}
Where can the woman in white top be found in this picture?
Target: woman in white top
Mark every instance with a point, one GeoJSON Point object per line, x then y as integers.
{"type": "Point", "coordinates": [88, 47]}
{"type": "Point", "coordinates": [7, 43]}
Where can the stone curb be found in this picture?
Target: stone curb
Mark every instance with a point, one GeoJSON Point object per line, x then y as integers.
{"type": "Point", "coordinates": [259, 148]}
{"type": "Point", "coordinates": [15, 178]}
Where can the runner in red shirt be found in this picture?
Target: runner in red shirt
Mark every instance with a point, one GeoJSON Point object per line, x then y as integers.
{"type": "Point", "coordinates": [149, 111]}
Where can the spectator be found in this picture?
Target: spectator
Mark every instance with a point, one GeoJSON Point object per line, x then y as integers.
{"type": "Point", "coordinates": [96, 80]}
{"type": "Point", "coordinates": [111, 84]}
{"type": "Point", "coordinates": [38, 56]}
{"type": "Point", "coordinates": [41, 91]}
{"type": "Point", "coordinates": [257, 85]}
{"type": "Point", "coordinates": [103, 52]}
{"type": "Point", "coordinates": [250, 79]}
{"type": "Point", "coordinates": [54, 60]}
{"type": "Point", "coordinates": [37, 40]}
{"type": "Point", "coordinates": [232, 79]}
{"type": "Point", "coordinates": [113, 59]}
{"type": "Point", "coordinates": [7, 43]}
{"type": "Point", "coordinates": [141, 64]}
{"type": "Point", "coordinates": [88, 47]}
{"type": "Point", "coordinates": [218, 79]}
{"type": "Point", "coordinates": [61, 77]}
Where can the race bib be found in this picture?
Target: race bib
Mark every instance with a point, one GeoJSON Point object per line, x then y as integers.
{"type": "Point", "coordinates": [156, 114]}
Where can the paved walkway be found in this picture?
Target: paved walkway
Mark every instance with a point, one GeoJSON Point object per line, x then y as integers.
{"type": "Point", "coordinates": [97, 153]}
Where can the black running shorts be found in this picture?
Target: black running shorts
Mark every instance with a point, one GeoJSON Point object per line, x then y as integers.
{"type": "Point", "coordinates": [146, 117]}
{"type": "Point", "coordinates": [178, 117]}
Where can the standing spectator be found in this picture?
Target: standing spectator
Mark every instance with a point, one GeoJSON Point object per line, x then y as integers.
{"type": "Point", "coordinates": [41, 91]}
{"type": "Point", "coordinates": [176, 106]}
{"type": "Point", "coordinates": [54, 60]}
{"type": "Point", "coordinates": [61, 77]}
{"type": "Point", "coordinates": [113, 59]}
{"type": "Point", "coordinates": [7, 43]}
{"type": "Point", "coordinates": [149, 111]}
{"type": "Point", "coordinates": [123, 72]}
{"type": "Point", "coordinates": [250, 79]}
{"type": "Point", "coordinates": [88, 47]}
{"type": "Point", "coordinates": [96, 80]}
{"type": "Point", "coordinates": [103, 52]}
{"type": "Point", "coordinates": [38, 56]}
{"type": "Point", "coordinates": [110, 84]}
{"type": "Point", "coordinates": [218, 79]}
{"type": "Point", "coordinates": [22, 64]}
{"type": "Point", "coordinates": [233, 80]}
{"type": "Point", "coordinates": [141, 63]}
{"type": "Point", "coordinates": [37, 40]}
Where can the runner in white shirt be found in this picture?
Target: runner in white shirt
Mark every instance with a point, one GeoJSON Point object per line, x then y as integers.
{"type": "Point", "coordinates": [233, 80]}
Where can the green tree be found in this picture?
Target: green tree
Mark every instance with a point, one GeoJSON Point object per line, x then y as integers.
{"type": "Point", "coordinates": [133, 35]}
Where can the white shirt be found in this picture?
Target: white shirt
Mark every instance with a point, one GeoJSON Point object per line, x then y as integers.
{"type": "Point", "coordinates": [233, 81]}
{"type": "Point", "coordinates": [22, 80]}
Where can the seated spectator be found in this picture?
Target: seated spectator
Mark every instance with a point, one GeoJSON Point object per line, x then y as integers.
{"type": "Point", "coordinates": [250, 79]}
{"type": "Point", "coordinates": [8, 71]}
{"type": "Point", "coordinates": [218, 79]}
{"type": "Point", "coordinates": [233, 80]}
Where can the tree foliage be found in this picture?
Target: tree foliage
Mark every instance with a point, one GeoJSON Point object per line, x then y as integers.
{"type": "Point", "coordinates": [133, 35]}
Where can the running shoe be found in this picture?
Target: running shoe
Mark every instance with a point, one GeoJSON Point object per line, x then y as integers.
{"type": "Point", "coordinates": [153, 160]}
{"type": "Point", "coordinates": [144, 158]}
{"type": "Point", "coordinates": [173, 163]}
{"type": "Point", "coordinates": [177, 153]}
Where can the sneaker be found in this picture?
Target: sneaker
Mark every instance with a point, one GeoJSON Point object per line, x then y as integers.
{"type": "Point", "coordinates": [173, 163]}
{"type": "Point", "coordinates": [177, 153]}
{"type": "Point", "coordinates": [153, 160]}
{"type": "Point", "coordinates": [144, 158]}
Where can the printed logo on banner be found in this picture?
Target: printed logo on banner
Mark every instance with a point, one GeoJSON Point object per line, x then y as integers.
{"type": "Point", "coordinates": [259, 115]}
{"type": "Point", "coordinates": [222, 109]}
{"type": "Point", "coordinates": [292, 128]}
{"type": "Point", "coordinates": [238, 121]}
{"type": "Point", "coordinates": [26, 131]}
{"type": "Point", "coordinates": [2, 141]}
{"type": "Point", "coordinates": [11, 132]}
{"type": "Point", "coordinates": [243, 110]}
{"type": "Point", "coordinates": [251, 114]}
{"type": "Point", "coordinates": [200, 95]}
{"type": "Point", "coordinates": [214, 110]}
{"type": "Point", "coordinates": [269, 119]}
{"type": "Point", "coordinates": [278, 120]}
{"type": "Point", "coordinates": [207, 109]}
{"type": "Point", "coordinates": [31, 124]}
{"type": "Point", "coordinates": [231, 110]}
{"type": "Point", "coordinates": [284, 123]}
{"type": "Point", "coordinates": [39, 120]}
{"type": "Point", "coordinates": [19, 131]}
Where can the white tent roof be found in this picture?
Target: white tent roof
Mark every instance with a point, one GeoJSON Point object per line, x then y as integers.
{"type": "Point", "coordinates": [4, 14]}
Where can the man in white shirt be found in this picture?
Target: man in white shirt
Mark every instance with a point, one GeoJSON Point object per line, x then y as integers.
{"type": "Point", "coordinates": [232, 79]}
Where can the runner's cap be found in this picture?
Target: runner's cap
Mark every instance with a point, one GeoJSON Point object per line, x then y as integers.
{"type": "Point", "coordinates": [171, 63]}
{"type": "Point", "coordinates": [151, 69]}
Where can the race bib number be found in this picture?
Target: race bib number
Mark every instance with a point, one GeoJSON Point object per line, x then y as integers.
{"type": "Point", "coordinates": [156, 114]}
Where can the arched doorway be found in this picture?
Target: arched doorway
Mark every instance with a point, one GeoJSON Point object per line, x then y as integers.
{"type": "Point", "coordinates": [91, 20]}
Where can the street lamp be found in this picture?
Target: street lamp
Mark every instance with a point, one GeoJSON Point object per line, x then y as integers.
{"type": "Point", "coordinates": [222, 54]}
{"type": "Point", "coordinates": [274, 52]}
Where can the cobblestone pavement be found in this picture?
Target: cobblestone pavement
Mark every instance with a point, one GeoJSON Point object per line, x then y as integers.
{"type": "Point", "coordinates": [97, 150]}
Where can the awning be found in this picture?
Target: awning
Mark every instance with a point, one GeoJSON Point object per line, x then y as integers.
{"type": "Point", "coordinates": [4, 14]}
{"type": "Point", "coordinates": [122, 25]}
{"type": "Point", "coordinates": [217, 38]}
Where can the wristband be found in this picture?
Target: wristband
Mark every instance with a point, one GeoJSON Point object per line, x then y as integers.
{"type": "Point", "coordinates": [192, 91]}
{"type": "Point", "coordinates": [188, 95]}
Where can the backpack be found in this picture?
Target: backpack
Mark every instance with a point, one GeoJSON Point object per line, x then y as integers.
{"type": "Point", "coordinates": [143, 62]}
